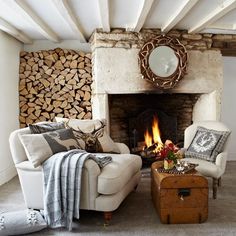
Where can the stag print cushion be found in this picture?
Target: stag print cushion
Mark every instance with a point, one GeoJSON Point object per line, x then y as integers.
{"type": "Point", "coordinates": [44, 127]}
{"type": "Point", "coordinates": [39, 147]}
{"type": "Point", "coordinates": [207, 144]}
{"type": "Point", "coordinates": [91, 135]}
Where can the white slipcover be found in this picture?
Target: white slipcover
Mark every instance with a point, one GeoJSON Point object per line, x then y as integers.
{"type": "Point", "coordinates": [101, 190]}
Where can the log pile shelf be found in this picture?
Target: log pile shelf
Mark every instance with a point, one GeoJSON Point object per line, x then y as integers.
{"type": "Point", "coordinates": [54, 83]}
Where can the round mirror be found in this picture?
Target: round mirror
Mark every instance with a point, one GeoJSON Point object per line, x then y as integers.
{"type": "Point", "coordinates": [163, 61]}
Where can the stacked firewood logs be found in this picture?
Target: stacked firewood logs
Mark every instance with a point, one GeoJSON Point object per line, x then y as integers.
{"type": "Point", "coordinates": [54, 83]}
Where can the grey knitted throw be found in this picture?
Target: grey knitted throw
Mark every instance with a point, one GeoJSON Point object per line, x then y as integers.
{"type": "Point", "coordinates": [62, 185]}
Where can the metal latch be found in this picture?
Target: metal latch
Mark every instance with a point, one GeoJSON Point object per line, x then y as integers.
{"type": "Point", "coordinates": [184, 192]}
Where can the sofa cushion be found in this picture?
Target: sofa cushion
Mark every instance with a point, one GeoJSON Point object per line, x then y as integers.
{"type": "Point", "coordinates": [44, 127]}
{"type": "Point", "coordinates": [39, 147]}
{"type": "Point", "coordinates": [21, 222]}
{"type": "Point", "coordinates": [118, 173]}
{"type": "Point", "coordinates": [113, 177]}
{"type": "Point", "coordinates": [89, 140]}
{"type": "Point", "coordinates": [207, 144]}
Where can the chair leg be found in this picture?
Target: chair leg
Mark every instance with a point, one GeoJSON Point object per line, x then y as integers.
{"type": "Point", "coordinates": [219, 182]}
{"type": "Point", "coordinates": [215, 185]}
{"type": "Point", "coordinates": [107, 217]}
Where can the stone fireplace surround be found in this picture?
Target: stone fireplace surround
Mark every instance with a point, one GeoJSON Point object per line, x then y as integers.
{"type": "Point", "coordinates": [116, 71]}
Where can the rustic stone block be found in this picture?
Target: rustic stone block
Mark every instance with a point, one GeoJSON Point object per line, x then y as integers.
{"type": "Point", "coordinates": [192, 36]}
{"type": "Point", "coordinates": [120, 44]}
{"type": "Point", "coordinates": [222, 37]}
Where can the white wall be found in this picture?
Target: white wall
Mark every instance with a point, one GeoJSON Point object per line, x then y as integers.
{"type": "Point", "coordinates": [228, 104]}
{"type": "Point", "coordinates": [9, 100]}
{"type": "Point", "coordinates": [9, 104]}
{"type": "Point", "coordinates": [65, 44]}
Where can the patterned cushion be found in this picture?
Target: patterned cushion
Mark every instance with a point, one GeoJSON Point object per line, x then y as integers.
{"type": "Point", "coordinates": [91, 135]}
{"type": "Point", "coordinates": [39, 147]}
{"type": "Point", "coordinates": [46, 127]}
{"type": "Point", "coordinates": [207, 144]}
{"type": "Point", "coordinates": [21, 222]}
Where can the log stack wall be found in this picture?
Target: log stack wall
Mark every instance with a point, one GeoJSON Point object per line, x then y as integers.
{"type": "Point", "coordinates": [54, 83]}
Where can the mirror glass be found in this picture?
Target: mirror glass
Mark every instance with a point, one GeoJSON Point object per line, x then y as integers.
{"type": "Point", "coordinates": [163, 61]}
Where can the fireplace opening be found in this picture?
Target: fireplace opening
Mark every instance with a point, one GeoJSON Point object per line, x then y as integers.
{"type": "Point", "coordinates": [131, 115]}
{"type": "Point", "coordinates": [142, 126]}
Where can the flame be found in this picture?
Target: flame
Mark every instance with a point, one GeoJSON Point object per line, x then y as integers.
{"type": "Point", "coordinates": [156, 134]}
{"type": "Point", "coordinates": [148, 139]}
{"type": "Point", "coordinates": [155, 137]}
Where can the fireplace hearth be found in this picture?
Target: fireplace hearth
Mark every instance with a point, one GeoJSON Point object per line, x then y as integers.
{"type": "Point", "coordinates": [132, 114]}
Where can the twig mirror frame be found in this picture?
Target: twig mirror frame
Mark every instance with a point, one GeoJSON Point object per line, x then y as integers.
{"type": "Point", "coordinates": [180, 52]}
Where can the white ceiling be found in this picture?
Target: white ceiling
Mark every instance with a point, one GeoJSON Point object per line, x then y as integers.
{"type": "Point", "coordinates": [58, 20]}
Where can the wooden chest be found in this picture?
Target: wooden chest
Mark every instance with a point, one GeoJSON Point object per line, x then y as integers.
{"type": "Point", "coordinates": [179, 198]}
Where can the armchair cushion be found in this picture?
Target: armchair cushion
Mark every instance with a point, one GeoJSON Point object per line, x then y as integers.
{"type": "Point", "coordinates": [39, 147]}
{"type": "Point", "coordinates": [207, 144]}
{"type": "Point", "coordinates": [207, 168]}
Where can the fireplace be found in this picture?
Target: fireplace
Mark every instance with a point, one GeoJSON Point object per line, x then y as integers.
{"type": "Point", "coordinates": [132, 114]}
{"type": "Point", "coordinates": [119, 94]}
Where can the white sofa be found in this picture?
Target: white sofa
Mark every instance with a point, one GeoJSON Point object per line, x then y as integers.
{"type": "Point", "coordinates": [102, 190]}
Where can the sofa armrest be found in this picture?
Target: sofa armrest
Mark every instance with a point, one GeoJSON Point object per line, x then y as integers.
{"type": "Point", "coordinates": [16, 147]}
{"type": "Point", "coordinates": [221, 160]}
{"type": "Point", "coordinates": [89, 183]}
{"type": "Point", "coordinates": [123, 148]}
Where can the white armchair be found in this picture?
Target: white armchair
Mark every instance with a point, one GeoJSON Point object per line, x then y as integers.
{"type": "Point", "coordinates": [209, 169]}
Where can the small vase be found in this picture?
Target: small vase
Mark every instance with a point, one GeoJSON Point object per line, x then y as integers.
{"type": "Point", "coordinates": [168, 164]}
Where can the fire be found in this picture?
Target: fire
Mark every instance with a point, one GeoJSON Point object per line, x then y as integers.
{"type": "Point", "coordinates": [156, 134]}
{"type": "Point", "coordinates": [155, 138]}
{"type": "Point", "coordinates": [148, 139]}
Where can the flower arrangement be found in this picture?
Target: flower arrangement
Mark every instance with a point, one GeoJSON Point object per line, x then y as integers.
{"type": "Point", "coordinates": [169, 153]}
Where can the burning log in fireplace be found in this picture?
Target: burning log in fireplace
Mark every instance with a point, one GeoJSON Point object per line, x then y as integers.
{"type": "Point", "coordinates": [154, 149]}
{"type": "Point", "coordinates": [149, 152]}
{"type": "Point", "coordinates": [153, 142]}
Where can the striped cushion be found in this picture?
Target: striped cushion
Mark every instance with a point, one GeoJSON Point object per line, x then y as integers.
{"type": "Point", "coordinates": [44, 127]}
{"type": "Point", "coordinates": [207, 144]}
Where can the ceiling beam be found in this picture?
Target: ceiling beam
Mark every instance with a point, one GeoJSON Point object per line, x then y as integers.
{"type": "Point", "coordinates": [104, 14]}
{"type": "Point", "coordinates": [145, 9]}
{"type": "Point", "coordinates": [25, 11]}
{"type": "Point", "coordinates": [178, 15]}
{"type": "Point", "coordinates": [10, 29]}
{"type": "Point", "coordinates": [67, 14]}
{"type": "Point", "coordinates": [223, 26]}
{"type": "Point", "coordinates": [217, 13]}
